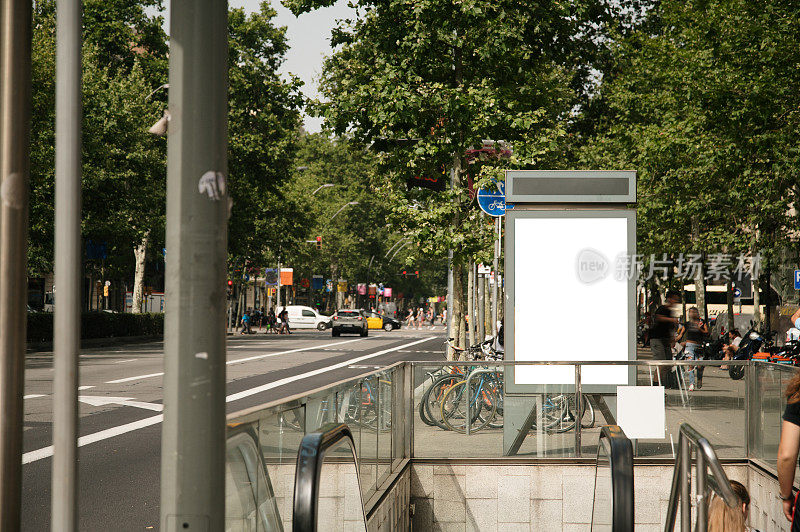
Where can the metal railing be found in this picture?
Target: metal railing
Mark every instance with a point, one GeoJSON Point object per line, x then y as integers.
{"type": "Point", "coordinates": [716, 481]}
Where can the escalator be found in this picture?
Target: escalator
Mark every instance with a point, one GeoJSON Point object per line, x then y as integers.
{"type": "Point", "coordinates": [327, 491]}
{"type": "Point", "coordinates": [612, 509]}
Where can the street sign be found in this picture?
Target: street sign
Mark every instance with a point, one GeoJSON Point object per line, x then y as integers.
{"type": "Point", "coordinates": [483, 269]}
{"type": "Point", "coordinates": [797, 279]}
{"type": "Point", "coordinates": [493, 202]}
{"type": "Point", "coordinates": [737, 292]}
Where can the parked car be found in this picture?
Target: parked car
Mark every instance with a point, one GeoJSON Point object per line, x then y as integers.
{"type": "Point", "coordinates": [301, 317]}
{"type": "Point", "coordinates": [376, 320]}
{"type": "Point", "coordinates": [350, 321]}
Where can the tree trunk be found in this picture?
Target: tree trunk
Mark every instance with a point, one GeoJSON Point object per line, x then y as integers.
{"type": "Point", "coordinates": [458, 305]}
{"type": "Point", "coordinates": [140, 255]}
{"type": "Point", "coordinates": [699, 278]}
{"type": "Point", "coordinates": [471, 303]}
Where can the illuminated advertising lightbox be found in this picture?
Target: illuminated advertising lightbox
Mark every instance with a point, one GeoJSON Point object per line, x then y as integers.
{"type": "Point", "coordinates": [572, 293]}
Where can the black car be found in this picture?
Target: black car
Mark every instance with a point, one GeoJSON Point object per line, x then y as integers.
{"type": "Point", "coordinates": [387, 323]}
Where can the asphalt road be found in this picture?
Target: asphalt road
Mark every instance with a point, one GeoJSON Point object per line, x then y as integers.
{"type": "Point", "coordinates": [121, 395]}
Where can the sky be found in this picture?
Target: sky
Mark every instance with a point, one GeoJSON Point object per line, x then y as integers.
{"type": "Point", "coordinates": [309, 42]}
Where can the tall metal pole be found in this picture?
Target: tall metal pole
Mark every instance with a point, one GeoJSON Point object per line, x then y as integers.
{"type": "Point", "coordinates": [193, 433]}
{"type": "Point", "coordinates": [495, 265]}
{"type": "Point", "coordinates": [15, 97]}
{"type": "Point", "coordinates": [67, 330]}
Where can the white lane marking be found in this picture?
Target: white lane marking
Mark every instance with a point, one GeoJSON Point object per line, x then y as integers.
{"type": "Point", "coordinates": [136, 378]}
{"type": "Point", "coordinates": [123, 361]}
{"type": "Point", "coordinates": [101, 400]}
{"type": "Point", "coordinates": [81, 388]}
{"type": "Point", "coordinates": [32, 396]}
{"type": "Point", "coordinates": [238, 360]}
{"type": "Point", "coordinates": [46, 452]}
{"type": "Point", "coordinates": [287, 380]}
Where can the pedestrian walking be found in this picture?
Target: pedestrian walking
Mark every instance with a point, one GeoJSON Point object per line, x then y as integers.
{"type": "Point", "coordinates": [410, 318]}
{"type": "Point", "coordinates": [245, 323]}
{"type": "Point", "coordinates": [284, 317]}
{"type": "Point", "coordinates": [691, 334]}
{"type": "Point", "coordinates": [420, 317]}
{"type": "Point", "coordinates": [662, 333]}
{"type": "Point", "coordinates": [272, 322]}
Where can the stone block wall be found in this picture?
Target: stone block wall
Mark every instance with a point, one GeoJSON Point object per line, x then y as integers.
{"type": "Point", "coordinates": [532, 497]}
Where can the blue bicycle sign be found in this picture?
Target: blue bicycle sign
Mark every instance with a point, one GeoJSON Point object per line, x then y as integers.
{"type": "Point", "coordinates": [493, 202]}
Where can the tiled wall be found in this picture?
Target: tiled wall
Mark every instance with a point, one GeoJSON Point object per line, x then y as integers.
{"type": "Point", "coordinates": [532, 497]}
{"type": "Point", "coordinates": [766, 510]}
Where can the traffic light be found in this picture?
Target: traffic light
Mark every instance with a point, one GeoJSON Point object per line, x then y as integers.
{"type": "Point", "coordinates": [416, 273]}
{"type": "Point", "coordinates": [230, 288]}
{"type": "Point", "coordinates": [319, 242]}
{"type": "Point", "coordinates": [404, 273]}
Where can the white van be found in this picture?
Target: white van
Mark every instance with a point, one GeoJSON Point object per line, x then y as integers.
{"type": "Point", "coordinates": [301, 317]}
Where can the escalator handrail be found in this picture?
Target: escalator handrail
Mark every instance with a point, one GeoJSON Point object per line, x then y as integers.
{"type": "Point", "coordinates": [620, 453]}
{"type": "Point", "coordinates": [310, 457]}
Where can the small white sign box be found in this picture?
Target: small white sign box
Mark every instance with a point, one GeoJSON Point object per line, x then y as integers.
{"type": "Point", "coordinates": [641, 412]}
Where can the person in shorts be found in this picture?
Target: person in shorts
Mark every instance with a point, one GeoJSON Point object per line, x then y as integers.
{"type": "Point", "coordinates": [662, 332]}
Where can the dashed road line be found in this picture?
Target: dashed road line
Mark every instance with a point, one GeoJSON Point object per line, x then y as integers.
{"type": "Point", "coordinates": [238, 360]}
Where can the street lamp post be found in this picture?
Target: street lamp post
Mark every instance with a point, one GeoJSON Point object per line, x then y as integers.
{"type": "Point", "coordinates": [326, 185]}
{"type": "Point", "coordinates": [343, 207]}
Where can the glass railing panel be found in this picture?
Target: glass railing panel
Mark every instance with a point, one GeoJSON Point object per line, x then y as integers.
{"type": "Point", "coordinates": [367, 419]}
{"type": "Point", "coordinates": [766, 408]}
{"type": "Point", "coordinates": [602, 506]}
{"type": "Point", "coordinates": [280, 432]}
{"type": "Point", "coordinates": [400, 414]}
{"type": "Point", "coordinates": [251, 503]}
{"type": "Point", "coordinates": [704, 396]}
{"type": "Point", "coordinates": [340, 506]}
{"type": "Point", "coordinates": [384, 424]}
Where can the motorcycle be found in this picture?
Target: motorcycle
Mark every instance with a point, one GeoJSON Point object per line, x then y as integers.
{"type": "Point", "coordinates": [751, 343]}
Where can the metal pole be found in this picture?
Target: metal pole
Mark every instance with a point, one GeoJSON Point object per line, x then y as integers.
{"type": "Point", "coordinates": [15, 97]}
{"type": "Point", "coordinates": [67, 330]}
{"type": "Point", "coordinates": [578, 410]}
{"type": "Point", "coordinates": [193, 432]}
{"type": "Point", "coordinates": [278, 307]}
{"type": "Point", "coordinates": [495, 265]}
{"type": "Point", "coordinates": [481, 308]}
{"type": "Point", "coordinates": [686, 483]}
{"type": "Point", "coordinates": [702, 504]}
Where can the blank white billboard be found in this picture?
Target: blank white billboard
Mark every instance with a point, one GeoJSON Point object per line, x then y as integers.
{"type": "Point", "coordinates": [571, 295]}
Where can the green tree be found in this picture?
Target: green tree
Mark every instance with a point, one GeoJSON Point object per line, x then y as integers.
{"type": "Point", "coordinates": [448, 75]}
{"type": "Point", "coordinates": [701, 99]}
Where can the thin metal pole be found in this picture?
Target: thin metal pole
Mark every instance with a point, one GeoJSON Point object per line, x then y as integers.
{"type": "Point", "coordinates": [193, 432]}
{"type": "Point", "coordinates": [702, 504]}
{"type": "Point", "coordinates": [686, 483]}
{"type": "Point", "coordinates": [67, 330]}
{"type": "Point", "coordinates": [481, 316]}
{"type": "Point", "coordinates": [578, 410]}
{"type": "Point", "coordinates": [15, 97]}
{"type": "Point", "coordinates": [495, 265]}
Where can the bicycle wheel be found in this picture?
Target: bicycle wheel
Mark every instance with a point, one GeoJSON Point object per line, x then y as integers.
{"type": "Point", "coordinates": [555, 414]}
{"type": "Point", "coordinates": [495, 384]}
{"type": "Point", "coordinates": [454, 406]}
{"type": "Point", "coordinates": [587, 419]}
{"type": "Point", "coordinates": [433, 397]}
